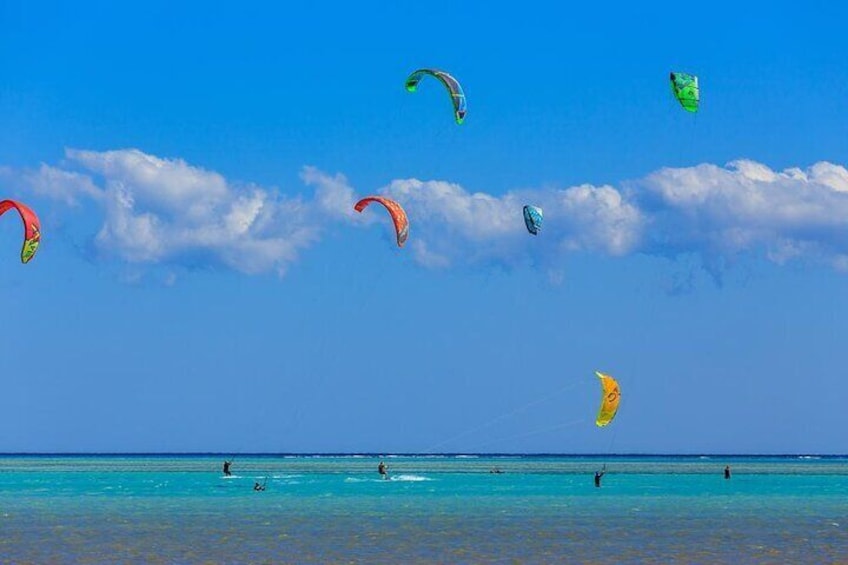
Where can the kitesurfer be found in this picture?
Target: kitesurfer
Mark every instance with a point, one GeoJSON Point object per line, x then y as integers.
{"type": "Point", "coordinates": [598, 475]}
{"type": "Point", "coordinates": [383, 470]}
{"type": "Point", "coordinates": [227, 472]}
{"type": "Point", "coordinates": [727, 471]}
{"type": "Point", "coordinates": [258, 487]}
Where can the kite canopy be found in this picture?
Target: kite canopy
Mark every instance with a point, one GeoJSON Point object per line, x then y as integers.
{"type": "Point", "coordinates": [395, 210]}
{"type": "Point", "coordinates": [685, 89]}
{"type": "Point", "coordinates": [457, 96]}
{"type": "Point", "coordinates": [609, 401]}
{"type": "Point", "coordinates": [533, 219]}
{"type": "Point", "coordinates": [32, 227]}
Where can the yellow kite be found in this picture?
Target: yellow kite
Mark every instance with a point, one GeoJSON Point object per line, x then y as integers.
{"type": "Point", "coordinates": [609, 401]}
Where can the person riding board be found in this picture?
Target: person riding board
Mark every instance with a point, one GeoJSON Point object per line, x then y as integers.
{"type": "Point", "coordinates": [227, 472]}
{"type": "Point", "coordinates": [383, 470]}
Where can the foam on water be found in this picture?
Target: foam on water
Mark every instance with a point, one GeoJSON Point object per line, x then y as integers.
{"type": "Point", "coordinates": [409, 478]}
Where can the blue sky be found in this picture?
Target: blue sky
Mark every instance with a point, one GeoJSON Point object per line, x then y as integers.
{"type": "Point", "coordinates": [204, 285]}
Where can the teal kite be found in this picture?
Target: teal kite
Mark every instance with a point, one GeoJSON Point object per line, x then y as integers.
{"type": "Point", "coordinates": [455, 90]}
{"type": "Point", "coordinates": [685, 89]}
{"type": "Point", "coordinates": [533, 219]}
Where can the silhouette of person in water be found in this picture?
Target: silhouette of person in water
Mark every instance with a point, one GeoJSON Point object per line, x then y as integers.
{"type": "Point", "coordinates": [257, 486]}
{"type": "Point", "coordinates": [727, 471]}
{"type": "Point", "coordinates": [227, 468]}
{"type": "Point", "coordinates": [598, 475]}
{"type": "Point", "coordinates": [383, 470]}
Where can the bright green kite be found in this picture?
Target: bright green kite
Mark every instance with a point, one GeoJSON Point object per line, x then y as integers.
{"type": "Point", "coordinates": [685, 89]}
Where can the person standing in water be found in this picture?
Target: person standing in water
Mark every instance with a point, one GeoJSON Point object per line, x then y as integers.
{"type": "Point", "coordinates": [598, 475]}
{"type": "Point", "coordinates": [227, 472]}
{"type": "Point", "coordinates": [727, 471]}
{"type": "Point", "coordinates": [383, 470]}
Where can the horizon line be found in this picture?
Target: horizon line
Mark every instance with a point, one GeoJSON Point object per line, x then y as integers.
{"type": "Point", "coordinates": [398, 454]}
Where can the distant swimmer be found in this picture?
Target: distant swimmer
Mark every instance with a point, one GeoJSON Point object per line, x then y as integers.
{"type": "Point", "coordinates": [258, 487]}
{"type": "Point", "coordinates": [598, 475]}
{"type": "Point", "coordinates": [227, 468]}
{"type": "Point", "coordinates": [383, 470]}
{"type": "Point", "coordinates": [727, 471]}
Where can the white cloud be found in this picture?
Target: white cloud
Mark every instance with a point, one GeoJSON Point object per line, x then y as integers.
{"type": "Point", "coordinates": [159, 210]}
{"type": "Point", "coordinates": [747, 207]}
{"type": "Point", "coordinates": [168, 186]}
{"type": "Point", "coordinates": [166, 211]}
{"type": "Point", "coordinates": [54, 183]}
{"type": "Point", "coordinates": [461, 226]}
{"type": "Point", "coordinates": [139, 236]}
{"type": "Point", "coordinates": [590, 218]}
{"type": "Point", "coordinates": [333, 195]}
{"type": "Point", "coordinates": [426, 257]}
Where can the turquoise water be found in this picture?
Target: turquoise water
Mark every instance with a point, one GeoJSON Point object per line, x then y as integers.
{"type": "Point", "coordinates": [436, 509]}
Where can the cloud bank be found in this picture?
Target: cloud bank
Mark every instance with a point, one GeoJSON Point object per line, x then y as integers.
{"type": "Point", "coordinates": [165, 211]}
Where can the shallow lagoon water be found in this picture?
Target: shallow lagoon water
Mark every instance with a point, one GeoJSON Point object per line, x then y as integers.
{"type": "Point", "coordinates": [436, 509]}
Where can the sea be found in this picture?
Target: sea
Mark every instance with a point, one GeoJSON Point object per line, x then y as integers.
{"type": "Point", "coordinates": [451, 508]}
